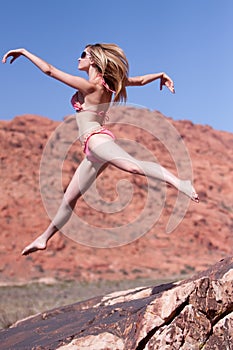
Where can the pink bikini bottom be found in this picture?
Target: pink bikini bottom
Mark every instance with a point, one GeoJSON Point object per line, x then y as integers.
{"type": "Point", "coordinates": [86, 149]}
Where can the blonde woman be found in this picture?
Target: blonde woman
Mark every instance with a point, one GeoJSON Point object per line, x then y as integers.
{"type": "Point", "coordinates": [107, 68]}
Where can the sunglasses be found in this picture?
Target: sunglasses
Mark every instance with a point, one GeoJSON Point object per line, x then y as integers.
{"type": "Point", "coordinates": [85, 54]}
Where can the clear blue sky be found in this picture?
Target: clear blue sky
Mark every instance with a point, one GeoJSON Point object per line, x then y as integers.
{"type": "Point", "coordinates": [191, 40]}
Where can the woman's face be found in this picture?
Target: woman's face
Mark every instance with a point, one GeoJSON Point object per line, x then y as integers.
{"type": "Point", "coordinates": [84, 60]}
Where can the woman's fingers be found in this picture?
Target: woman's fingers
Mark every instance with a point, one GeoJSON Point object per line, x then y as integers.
{"type": "Point", "coordinates": [170, 86]}
{"type": "Point", "coordinates": [168, 82]}
{"type": "Point", "coordinates": [4, 59]}
{"type": "Point", "coordinates": [15, 54]}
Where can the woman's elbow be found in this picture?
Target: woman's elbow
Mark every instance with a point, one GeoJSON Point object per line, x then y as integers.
{"type": "Point", "coordinates": [142, 81]}
{"type": "Point", "coordinates": [48, 70]}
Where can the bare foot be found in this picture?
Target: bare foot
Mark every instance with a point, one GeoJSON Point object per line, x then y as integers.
{"type": "Point", "coordinates": [187, 188]}
{"type": "Point", "coordinates": [38, 244]}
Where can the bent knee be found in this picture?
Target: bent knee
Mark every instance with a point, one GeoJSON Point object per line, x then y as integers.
{"type": "Point", "coordinates": [69, 200]}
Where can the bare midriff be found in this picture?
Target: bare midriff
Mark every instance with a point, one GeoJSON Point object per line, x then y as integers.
{"type": "Point", "coordinates": [88, 122]}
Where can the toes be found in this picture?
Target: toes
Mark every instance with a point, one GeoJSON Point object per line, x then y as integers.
{"type": "Point", "coordinates": [31, 249]}
{"type": "Point", "coordinates": [195, 197]}
{"type": "Point", "coordinates": [27, 251]}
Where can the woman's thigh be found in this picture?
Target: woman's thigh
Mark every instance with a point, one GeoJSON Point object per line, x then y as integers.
{"type": "Point", "coordinates": [104, 148]}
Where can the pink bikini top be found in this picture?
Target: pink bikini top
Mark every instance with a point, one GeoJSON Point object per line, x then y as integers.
{"type": "Point", "coordinates": [78, 106]}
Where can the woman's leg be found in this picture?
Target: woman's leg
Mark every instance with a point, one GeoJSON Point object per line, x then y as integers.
{"type": "Point", "coordinates": [84, 176]}
{"type": "Point", "coordinates": [105, 149]}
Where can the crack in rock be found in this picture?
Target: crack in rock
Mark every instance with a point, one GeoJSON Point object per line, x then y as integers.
{"type": "Point", "coordinates": [190, 315]}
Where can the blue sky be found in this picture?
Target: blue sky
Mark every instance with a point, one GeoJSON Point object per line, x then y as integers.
{"type": "Point", "coordinates": [191, 40]}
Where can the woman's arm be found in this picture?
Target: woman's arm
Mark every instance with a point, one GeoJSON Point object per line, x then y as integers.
{"type": "Point", "coordinates": [148, 78]}
{"type": "Point", "coordinates": [75, 82]}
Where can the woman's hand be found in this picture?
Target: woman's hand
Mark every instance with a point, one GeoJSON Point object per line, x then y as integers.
{"type": "Point", "coordinates": [14, 53]}
{"type": "Point", "coordinates": [168, 82]}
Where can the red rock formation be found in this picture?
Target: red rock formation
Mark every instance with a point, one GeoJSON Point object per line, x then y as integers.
{"type": "Point", "coordinates": [193, 314]}
{"type": "Point", "coordinates": [203, 237]}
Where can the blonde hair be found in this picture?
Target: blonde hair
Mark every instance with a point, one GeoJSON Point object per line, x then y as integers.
{"type": "Point", "coordinates": [111, 62]}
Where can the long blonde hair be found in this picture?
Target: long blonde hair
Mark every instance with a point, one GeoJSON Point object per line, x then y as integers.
{"type": "Point", "coordinates": [111, 62]}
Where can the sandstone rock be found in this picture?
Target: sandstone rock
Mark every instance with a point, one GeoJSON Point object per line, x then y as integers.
{"type": "Point", "coordinates": [193, 246]}
{"type": "Point", "coordinates": [192, 314]}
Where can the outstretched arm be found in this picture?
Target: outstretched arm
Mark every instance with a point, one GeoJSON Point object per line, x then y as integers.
{"type": "Point", "coordinates": [148, 78]}
{"type": "Point", "coordinates": [75, 82]}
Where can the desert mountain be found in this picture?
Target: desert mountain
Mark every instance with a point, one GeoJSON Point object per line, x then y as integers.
{"type": "Point", "coordinates": [202, 237]}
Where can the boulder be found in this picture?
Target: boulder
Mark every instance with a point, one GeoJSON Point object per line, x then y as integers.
{"type": "Point", "coordinates": [196, 313]}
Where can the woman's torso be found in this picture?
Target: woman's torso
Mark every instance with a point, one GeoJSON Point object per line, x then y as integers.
{"type": "Point", "coordinates": [92, 109]}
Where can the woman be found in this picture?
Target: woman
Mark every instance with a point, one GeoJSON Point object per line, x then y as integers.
{"type": "Point", "coordinates": [107, 69]}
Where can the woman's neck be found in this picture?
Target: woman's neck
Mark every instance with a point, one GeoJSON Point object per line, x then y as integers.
{"type": "Point", "coordinates": [93, 73]}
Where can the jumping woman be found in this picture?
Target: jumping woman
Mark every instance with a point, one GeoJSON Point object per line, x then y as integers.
{"type": "Point", "coordinates": [107, 68]}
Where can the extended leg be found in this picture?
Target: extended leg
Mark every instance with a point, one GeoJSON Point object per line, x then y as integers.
{"type": "Point", "coordinates": [84, 176]}
{"type": "Point", "coordinates": [104, 148]}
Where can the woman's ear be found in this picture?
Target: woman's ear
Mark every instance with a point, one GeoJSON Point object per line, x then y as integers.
{"type": "Point", "coordinates": [92, 62]}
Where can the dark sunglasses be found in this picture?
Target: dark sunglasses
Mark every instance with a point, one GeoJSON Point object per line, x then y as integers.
{"type": "Point", "coordinates": [85, 54]}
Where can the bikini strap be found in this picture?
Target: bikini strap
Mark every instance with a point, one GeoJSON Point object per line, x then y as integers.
{"type": "Point", "coordinates": [105, 84]}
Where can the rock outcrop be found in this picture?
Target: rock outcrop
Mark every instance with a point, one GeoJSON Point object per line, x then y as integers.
{"type": "Point", "coordinates": [193, 314]}
{"type": "Point", "coordinates": [192, 247]}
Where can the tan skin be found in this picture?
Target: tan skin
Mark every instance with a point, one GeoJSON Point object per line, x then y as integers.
{"type": "Point", "coordinates": [89, 88]}
{"type": "Point", "coordinates": [95, 94]}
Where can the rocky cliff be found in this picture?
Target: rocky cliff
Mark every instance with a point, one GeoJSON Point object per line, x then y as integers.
{"type": "Point", "coordinates": [192, 314]}
{"type": "Point", "coordinates": [203, 237]}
